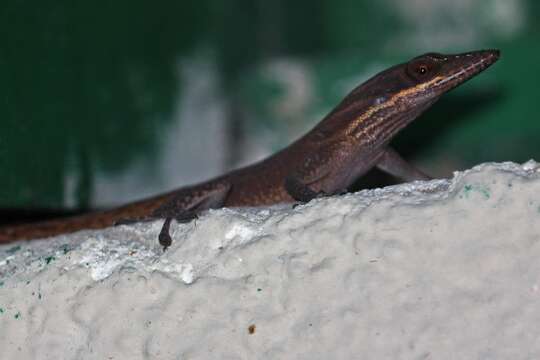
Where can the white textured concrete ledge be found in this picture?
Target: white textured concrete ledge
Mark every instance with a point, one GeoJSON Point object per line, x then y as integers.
{"type": "Point", "coordinates": [446, 269]}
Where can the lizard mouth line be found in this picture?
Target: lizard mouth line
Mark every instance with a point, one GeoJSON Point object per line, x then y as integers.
{"type": "Point", "coordinates": [484, 60]}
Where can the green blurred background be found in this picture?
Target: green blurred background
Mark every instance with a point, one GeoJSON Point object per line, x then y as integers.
{"type": "Point", "coordinates": [107, 101]}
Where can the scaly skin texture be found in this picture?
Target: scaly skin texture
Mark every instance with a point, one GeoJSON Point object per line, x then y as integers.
{"type": "Point", "coordinates": [347, 143]}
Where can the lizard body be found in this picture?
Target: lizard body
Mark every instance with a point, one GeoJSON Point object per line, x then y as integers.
{"type": "Point", "coordinates": [347, 143]}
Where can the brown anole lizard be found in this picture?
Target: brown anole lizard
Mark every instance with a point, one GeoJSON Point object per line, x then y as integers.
{"type": "Point", "coordinates": [349, 141]}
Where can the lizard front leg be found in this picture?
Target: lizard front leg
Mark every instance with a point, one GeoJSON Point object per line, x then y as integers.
{"type": "Point", "coordinates": [301, 191]}
{"type": "Point", "coordinates": [392, 163]}
{"type": "Point", "coordinates": [301, 184]}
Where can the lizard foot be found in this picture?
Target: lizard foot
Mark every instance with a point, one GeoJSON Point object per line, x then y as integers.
{"type": "Point", "coordinates": [164, 237]}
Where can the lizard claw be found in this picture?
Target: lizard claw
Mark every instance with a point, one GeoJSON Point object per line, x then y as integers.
{"type": "Point", "coordinates": [165, 240]}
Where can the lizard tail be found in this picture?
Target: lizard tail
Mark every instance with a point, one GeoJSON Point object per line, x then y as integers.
{"type": "Point", "coordinates": [138, 211]}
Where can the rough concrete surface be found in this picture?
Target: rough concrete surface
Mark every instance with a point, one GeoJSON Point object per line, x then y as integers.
{"type": "Point", "coordinates": [446, 269]}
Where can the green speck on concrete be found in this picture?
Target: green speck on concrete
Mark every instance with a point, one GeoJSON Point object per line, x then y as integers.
{"type": "Point", "coordinates": [13, 250]}
{"type": "Point", "coordinates": [39, 296]}
{"type": "Point", "coordinates": [1, 283]}
{"type": "Point", "coordinates": [259, 289]}
{"type": "Point", "coordinates": [1, 310]}
{"type": "Point", "coordinates": [48, 259]}
{"type": "Point", "coordinates": [17, 315]}
{"type": "Point", "coordinates": [484, 191]}
{"type": "Point", "coordinates": [467, 189]}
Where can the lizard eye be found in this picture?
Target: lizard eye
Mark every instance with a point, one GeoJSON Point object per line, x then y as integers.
{"type": "Point", "coordinates": [421, 69]}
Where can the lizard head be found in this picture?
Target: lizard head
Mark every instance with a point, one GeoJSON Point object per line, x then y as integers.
{"type": "Point", "coordinates": [377, 109]}
{"type": "Point", "coordinates": [430, 75]}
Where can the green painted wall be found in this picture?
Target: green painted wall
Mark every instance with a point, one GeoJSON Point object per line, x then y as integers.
{"type": "Point", "coordinates": [92, 88]}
